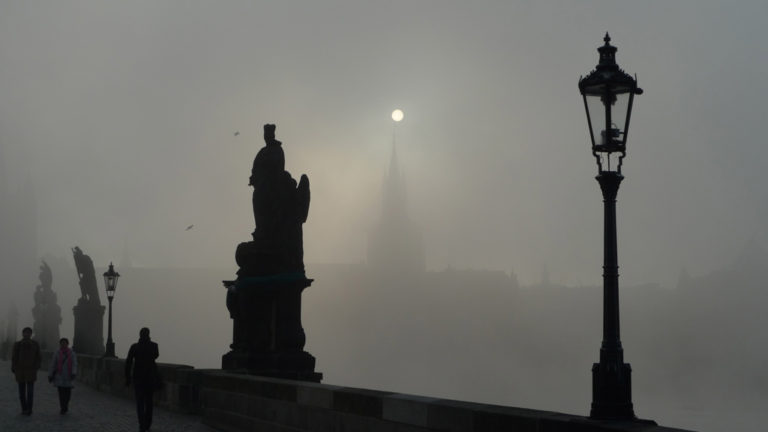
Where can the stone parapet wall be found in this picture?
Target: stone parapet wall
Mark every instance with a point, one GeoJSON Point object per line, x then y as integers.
{"type": "Point", "coordinates": [244, 403]}
{"type": "Point", "coordinates": [236, 402]}
{"type": "Point", "coordinates": [179, 392]}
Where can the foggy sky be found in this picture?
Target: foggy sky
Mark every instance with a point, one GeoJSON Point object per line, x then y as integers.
{"type": "Point", "coordinates": [122, 114]}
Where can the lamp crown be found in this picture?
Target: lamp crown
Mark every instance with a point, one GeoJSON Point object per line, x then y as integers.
{"type": "Point", "coordinates": [607, 74]}
{"type": "Point", "coordinates": [607, 52]}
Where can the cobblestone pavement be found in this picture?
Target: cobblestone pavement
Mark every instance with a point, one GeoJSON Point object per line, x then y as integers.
{"type": "Point", "coordinates": [89, 411]}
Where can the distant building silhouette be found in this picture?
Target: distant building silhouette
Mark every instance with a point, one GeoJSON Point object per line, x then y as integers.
{"type": "Point", "coordinates": [18, 231]}
{"type": "Point", "coordinates": [395, 242]}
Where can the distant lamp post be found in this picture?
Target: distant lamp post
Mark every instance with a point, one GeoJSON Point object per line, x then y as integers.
{"type": "Point", "coordinates": [110, 282]}
{"type": "Point", "coordinates": [609, 91]}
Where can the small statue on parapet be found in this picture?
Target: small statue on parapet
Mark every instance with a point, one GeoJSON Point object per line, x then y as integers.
{"type": "Point", "coordinates": [47, 312]}
{"type": "Point", "coordinates": [87, 276]}
{"type": "Point", "coordinates": [89, 313]}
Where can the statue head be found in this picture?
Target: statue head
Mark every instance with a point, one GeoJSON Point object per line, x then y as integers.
{"type": "Point", "coordinates": [269, 132]}
{"type": "Point", "coordinates": [82, 261]}
{"type": "Point", "coordinates": [269, 135]}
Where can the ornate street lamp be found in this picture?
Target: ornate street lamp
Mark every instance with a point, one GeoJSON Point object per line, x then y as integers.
{"type": "Point", "coordinates": [609, 91]}
{"type": "Point", "coordinates": [110, 282]}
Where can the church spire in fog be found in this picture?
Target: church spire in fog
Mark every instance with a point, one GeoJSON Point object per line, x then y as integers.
{"type": "Point", "coordinates": [395, 244]}
{"type": "Point", "coordinates": [394, 204]}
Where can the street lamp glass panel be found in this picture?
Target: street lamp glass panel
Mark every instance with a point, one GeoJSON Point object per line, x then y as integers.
{"type": "Point", "coordinates": [607, 115]}
{"type": "Point", "coordinates": [618, 117]}
{"type": "Point", "coordinates": [110, 288]}
{"type": "Point", "coordinates": [595, 117]}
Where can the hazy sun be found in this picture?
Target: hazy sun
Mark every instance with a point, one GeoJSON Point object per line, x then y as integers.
{"type": "Point", "coordinates": [397, 115]}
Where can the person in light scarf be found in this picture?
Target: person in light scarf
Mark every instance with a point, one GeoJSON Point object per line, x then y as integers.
{"type": "Point", "coordinates": [62, 373]}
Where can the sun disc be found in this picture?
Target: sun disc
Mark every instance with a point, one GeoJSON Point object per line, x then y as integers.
{"type": "Point", "coordinates": [397, 115]}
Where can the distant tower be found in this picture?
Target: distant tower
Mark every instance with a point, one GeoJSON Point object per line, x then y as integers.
{"type": "Point", "coordinates": [18, 227]}
{"type": "Point", "coordinates": [395, 243]}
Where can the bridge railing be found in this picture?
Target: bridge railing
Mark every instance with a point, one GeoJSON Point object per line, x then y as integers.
{"type": "Point", "coordinates": [239, 402]}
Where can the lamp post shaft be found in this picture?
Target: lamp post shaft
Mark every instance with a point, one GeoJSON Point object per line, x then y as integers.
{"type": "Point", "coordinates": [609, 184]}
{"type": "Point", "coordinates": [110, 351]}
{"type": "Point", "coordinates": [611, 378]}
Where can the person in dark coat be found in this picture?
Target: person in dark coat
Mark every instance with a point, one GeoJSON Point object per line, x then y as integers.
{"type": "Point", "coordinates": [25, 361]}
{"type": "Point", "coordinates": [140, 368]}
{"type": "Point", "coordinates": [62, 373]}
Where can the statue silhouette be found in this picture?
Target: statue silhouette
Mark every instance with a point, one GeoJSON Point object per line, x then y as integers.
{"type": "Point", "coordinates": [280, 206]}
{"type": "Point", "coordinates": [265, 300]}
{"type": "Point", "coordinates": [88, 289]}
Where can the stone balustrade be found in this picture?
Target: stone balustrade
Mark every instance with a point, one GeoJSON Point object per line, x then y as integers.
{"type": "Point", "coordinates": [238, 402]}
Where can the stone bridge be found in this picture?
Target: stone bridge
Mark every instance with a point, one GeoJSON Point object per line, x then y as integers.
{"type": "Point", "coordinates": [207, 400]}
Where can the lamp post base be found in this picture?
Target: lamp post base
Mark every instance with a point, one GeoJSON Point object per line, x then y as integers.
{"type": "Point", "coordinates": [612, 391]}
{"type": "Point", "coordinates": [110, 351]}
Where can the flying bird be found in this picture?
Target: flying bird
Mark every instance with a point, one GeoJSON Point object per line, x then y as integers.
{"type": "Point", "coordinates": [237, 133]}
{"type": "Point", "coordinates": [189, 228]}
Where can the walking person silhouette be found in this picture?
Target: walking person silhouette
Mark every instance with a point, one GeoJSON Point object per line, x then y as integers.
{"type": "Point", "coordinates": [25, 361]}
{"type": "Point", "coordinates": [140, 368]}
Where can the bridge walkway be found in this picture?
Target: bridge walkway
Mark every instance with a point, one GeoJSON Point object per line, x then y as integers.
{"type": "Point", "coordinates": [89, 410]}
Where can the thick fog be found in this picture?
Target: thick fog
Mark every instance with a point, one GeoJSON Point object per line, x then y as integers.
{"type": "Point", "coordinates": [124, 123]}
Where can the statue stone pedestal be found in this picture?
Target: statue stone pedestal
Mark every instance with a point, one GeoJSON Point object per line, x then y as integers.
{"type": "Point", "coordinates": [268, 338]}
{"type": "Point", "coordinates": [89, 328]}
{"type": "Point", "coordinates": [46, 326]}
